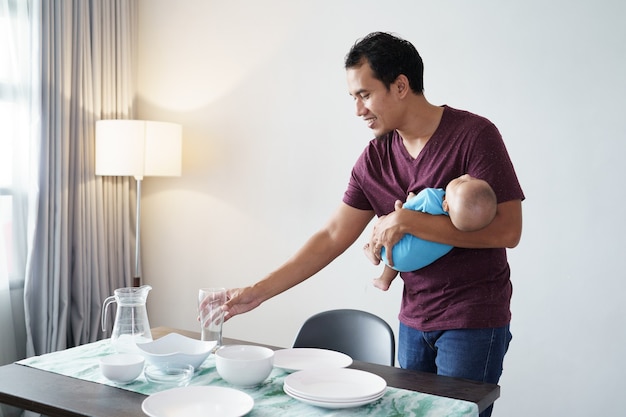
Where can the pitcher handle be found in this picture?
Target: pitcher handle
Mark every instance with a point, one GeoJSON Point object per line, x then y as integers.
{"type": "Point", "coordinates": [105, 307]}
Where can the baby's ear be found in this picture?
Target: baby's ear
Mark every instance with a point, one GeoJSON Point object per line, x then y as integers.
{"type": "Point", "coordinates": [444, 205]}
{"type": "Point", "coordinates": [411, 195]}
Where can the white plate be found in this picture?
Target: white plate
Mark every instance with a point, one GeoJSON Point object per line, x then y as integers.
{"type": "Point", "coordinates": [368, 398]}
{"type": "Point", "coordinates": [198, 401]}
{"type": "Point", "coordinates": [333, 404]}
{"type": "Point", "coordinates": [297, 359]}
{"type": "Point", "coordinates": [341, 384]}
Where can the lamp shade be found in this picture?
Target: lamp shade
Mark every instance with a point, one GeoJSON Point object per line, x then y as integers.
{"type": "Point", "coordinates": [138, 148]}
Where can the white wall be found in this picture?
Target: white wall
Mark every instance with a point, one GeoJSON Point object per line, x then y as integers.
{"type": "Point", "coordinates": [270, 137]}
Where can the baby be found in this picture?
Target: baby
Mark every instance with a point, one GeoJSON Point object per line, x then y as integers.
{"type": "Point", "coordinates": [470, 203]}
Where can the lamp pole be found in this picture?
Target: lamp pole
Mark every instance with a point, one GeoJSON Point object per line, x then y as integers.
{"type": "Point", "coordinates": [137, 276]}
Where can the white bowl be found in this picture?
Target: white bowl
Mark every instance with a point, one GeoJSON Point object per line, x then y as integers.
{"type": "Point", "coordinates": [244, 365]}
{"type": "Point", "coordinates": [176, 349]}
{"type": "Point", "coordinates": [122, 367]}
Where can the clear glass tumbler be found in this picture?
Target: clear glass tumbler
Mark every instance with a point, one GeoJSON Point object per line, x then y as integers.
{"type": "Point", "coordinates": [210, 301]}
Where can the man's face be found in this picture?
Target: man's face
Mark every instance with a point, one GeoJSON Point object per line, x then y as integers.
{"type": "Point", "coordinates": [374, 103]}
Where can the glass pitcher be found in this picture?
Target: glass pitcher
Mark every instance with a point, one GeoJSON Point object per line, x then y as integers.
{"type": "Point", "coordinates": [131, 319]}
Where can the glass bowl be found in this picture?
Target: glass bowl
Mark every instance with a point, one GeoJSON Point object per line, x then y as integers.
{"type": "Point", "coordinates": [175, 375]}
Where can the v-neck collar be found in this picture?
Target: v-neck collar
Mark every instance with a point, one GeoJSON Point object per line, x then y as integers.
{"type": "Point", "coordinates": [436, 133]}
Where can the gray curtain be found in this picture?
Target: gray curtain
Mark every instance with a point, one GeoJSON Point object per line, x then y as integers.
{"type": "Point", "coordinates": [83, 240]}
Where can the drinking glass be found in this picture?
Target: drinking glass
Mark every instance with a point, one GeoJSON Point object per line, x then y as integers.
{"type": "Point", "coordinates": [210, 302]}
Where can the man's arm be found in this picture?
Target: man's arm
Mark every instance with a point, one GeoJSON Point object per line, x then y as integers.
{"type": "Point", "coordinates": [343, 228]}
{"type": "Point", "coordinates": [504, 231]}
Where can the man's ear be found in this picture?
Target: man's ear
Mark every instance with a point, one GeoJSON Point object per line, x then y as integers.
{"type": "Point", "coordinates": [402, 85]}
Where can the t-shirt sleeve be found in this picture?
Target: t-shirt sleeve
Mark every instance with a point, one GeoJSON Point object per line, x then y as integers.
{"type": "Point", "coordinates": [354, 195]}
{"type": "Point", "coordinates": [490, 161]}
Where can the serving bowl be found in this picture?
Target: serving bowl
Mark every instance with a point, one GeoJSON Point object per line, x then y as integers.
{"type": "Point", "coordinates": [176, 349]}
{"type": "Point", "coordinates": [244, 365]}
{"type": "Point", "coordinates": [122, 367]}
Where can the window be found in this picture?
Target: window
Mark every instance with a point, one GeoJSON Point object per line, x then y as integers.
{"type": "Point", "coordinates": [14, 122]}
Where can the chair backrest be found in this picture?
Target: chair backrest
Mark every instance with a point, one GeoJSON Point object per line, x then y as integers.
{"type": "Point", "coordinates": [361, 335]}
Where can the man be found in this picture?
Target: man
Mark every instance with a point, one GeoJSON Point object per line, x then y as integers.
{"type": "Point", "coordinates": [454, 316]}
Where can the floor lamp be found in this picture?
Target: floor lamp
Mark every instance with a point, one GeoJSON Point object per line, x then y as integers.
{"type": "Point", "coordinates": [138, 148]}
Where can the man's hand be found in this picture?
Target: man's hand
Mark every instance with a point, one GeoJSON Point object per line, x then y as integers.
{"type": "Point", "coordinates": [240, 300]}
{"type": "Point", "coordinates": [387, 232]}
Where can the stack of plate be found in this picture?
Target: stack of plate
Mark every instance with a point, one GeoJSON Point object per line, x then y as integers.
{"type": "Point", "coordinates": [335, 387]}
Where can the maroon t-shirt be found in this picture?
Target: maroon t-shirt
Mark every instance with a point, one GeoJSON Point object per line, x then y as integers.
{"type": "Point", "coordinates": [467, 288]}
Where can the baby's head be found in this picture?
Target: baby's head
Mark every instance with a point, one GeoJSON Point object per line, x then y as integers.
{"type": "Point", "coordinates": [470, 202]}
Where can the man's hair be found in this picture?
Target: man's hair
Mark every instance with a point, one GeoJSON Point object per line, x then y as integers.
{"type": "Point", "coordinates": [388, 57]}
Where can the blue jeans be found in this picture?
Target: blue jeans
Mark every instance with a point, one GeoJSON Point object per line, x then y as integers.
{"type": "Point", "coordinates": [475, 354]}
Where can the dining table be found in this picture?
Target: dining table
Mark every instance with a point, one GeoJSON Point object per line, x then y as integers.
{"type": "Point", "coordinates": [31, 385]}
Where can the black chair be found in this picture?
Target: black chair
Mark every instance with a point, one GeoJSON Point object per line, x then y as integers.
{"type": "Point", "coordinates": [361, 335]}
